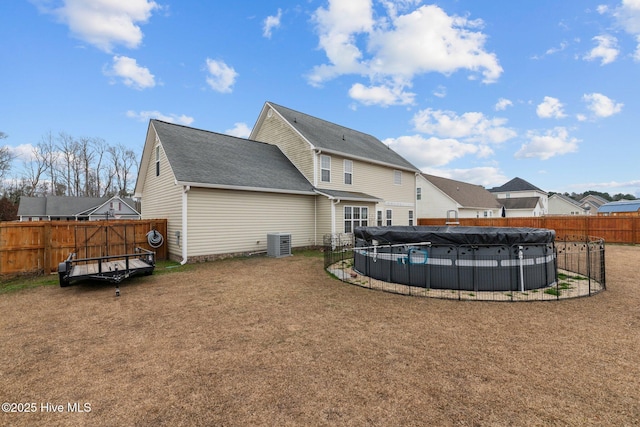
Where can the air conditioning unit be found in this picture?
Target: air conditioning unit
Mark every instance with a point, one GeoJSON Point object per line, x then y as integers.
{"type": "Point", "coordinates": [278, 244]}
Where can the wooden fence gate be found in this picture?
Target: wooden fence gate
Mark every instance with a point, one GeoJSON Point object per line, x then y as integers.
{"type": "Point", "coordinates": [38, 247]}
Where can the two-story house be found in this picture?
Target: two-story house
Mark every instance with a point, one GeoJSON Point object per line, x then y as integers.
{"type": "Point", "coordinates": [359, 180]}
{"type": "Point", "coordinates": [296, 174]}
{"type": "Point", "coordinates": [521, 199]}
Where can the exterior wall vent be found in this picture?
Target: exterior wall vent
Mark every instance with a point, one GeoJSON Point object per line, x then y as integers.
{"type": "Point", "coordinates": [278, 244]}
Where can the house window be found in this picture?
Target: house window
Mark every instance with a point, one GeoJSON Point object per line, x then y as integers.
{"type": "Point", "coordinates": [389, 217]}
{"type": "Point", "coordinates": [410, 217]}
{"type": "Point", "coordinates": [348, 172]}
{"type": "Point", "coordinates": [379, 218]}
{"type": "Point", "coordinates": [418, 193]}
{"type": "Point", "coordinates": [355, 216]}
{"type": "Point", "coordinates": [397, 177]}
{"type": "Point", "coordinates": [115, 206]}
{"type": "Point", "coordinates": [158, 160]}
{"type": "Point", "coordinates": [325, 168]}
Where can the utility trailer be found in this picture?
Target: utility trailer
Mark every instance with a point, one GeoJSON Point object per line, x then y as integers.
{"type": "Point", "coordinates": [111, 268]}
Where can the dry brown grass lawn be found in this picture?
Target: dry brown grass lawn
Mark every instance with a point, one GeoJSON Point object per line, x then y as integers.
{"type": "Point", "coordinates": [265, 341]}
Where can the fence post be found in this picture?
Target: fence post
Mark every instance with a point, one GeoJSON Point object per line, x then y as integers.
{"type": "Point", "coordinates": [46, 253]}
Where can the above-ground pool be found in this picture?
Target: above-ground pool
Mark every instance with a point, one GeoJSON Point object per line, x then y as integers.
{"type": "Point", "coordinates": [458, 258]}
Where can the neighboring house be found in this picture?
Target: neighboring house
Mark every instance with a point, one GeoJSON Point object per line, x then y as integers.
{"type": "Point", "coordinates": [620, 208]}
{"type": "Point", "coordinates": [439, 197]}
{"type": "Point", "coordinates": [518, 188]}
{"type": "Point", "coordinates": [591, 203]}
{"type": "Point", "coordinates": [559, 204]}
{"type": "Point", "coordinates": [223, 195]}
{"type": "Point", "coordinates": [76, 208]}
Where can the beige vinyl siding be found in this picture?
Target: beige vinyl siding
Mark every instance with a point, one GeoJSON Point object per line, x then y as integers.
{"type": "Point", "coordinates": [229, 221]}
{"type": "Point", "coordinates": [276, 131]}
{"type": "Point", "coordinates": [323, 218]}
{"type": "Point", "coordinates": [377, 181]}
{"type": "Point", "coordinates": [161, 198]}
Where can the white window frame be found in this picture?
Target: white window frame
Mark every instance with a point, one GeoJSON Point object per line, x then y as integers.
{"type": "Point", "coordinates": [419, 193]}
{"type": "Point", "coordinates": [410, 217]}
{"type": "Point", "coordinates": [325, 167]}
{"type": "Point", "coordinates": [157, 160]}
{"type": "Point", "coordinates": [348, 172]}
{"type": "Point", "coordinates": [397, 177]}
{"type": "Point", "coordinates": [358, 216]}
{"type": "Point", "coordinates": [379, 220]}
{"type": "Point", "coordinates": [389, 217]}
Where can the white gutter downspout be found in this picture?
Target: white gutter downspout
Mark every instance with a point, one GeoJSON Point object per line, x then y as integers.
{"type": "Point", "coordinates": [185, 257]}
{"type": "Point", "coordinates": [334, 202]}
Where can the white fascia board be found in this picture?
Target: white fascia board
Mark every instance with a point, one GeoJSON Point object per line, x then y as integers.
{"type": "Point", "coordinates": [242, 188]}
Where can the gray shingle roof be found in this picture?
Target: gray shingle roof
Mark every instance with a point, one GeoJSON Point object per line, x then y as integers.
{"type": "Point", "coordinates": [339, 139]}
{"type": "Point", "coordinates": [516, 184]}
{"type": "Point", "coordinates": [62, 206]}
{"type": "Point", "coordinates": [520, 202]}
{"type": "Point", "coordinates": [202, 157]}
{"type": "Point", "coordinates": [348, 195]}
{"type": "Point", "coordinates": [465, 194]}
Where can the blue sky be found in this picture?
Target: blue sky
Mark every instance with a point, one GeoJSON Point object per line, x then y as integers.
{"type": "Point", "coordinates": [479, 91]}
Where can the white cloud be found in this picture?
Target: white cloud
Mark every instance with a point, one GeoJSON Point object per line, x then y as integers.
{"type": "Point", "coordinates": [553, 142]}
{"type": "Point", "coordinates": [103, 23]}
{"type": "Point", "coordinates": [430, 152]}
{"type": "Point", "coordinates": [241, 130]}
{"type": "Point", "coordinates": [601, 105]}
{"type": "Point", "coordinates": [440, 91]}
{"type": "Point", "coordinates": [550, 108]}
{"type": "Point", "coordinates": [221, 77]}
{"type": "Point", "coordinates": [23, 152]}
{"type": "Point", "coordinates": [391, 50]}
{"type": "Point", "coordinates": [380, 95]}
{"type": "Point", "coordinates": [627, 15]}
{"type": "Point", "coordinates": [270, 23]}
{"type": "Point", "coordinates": [606, 50]}
{"type": "Point", "coordinates": [145, 116]}
{"type": "Point", "coordinates": [131, 73]}
{"type": "Point", "coordinates": [502, 104]}
{"type": "Point", "coordinates": [472, 126]}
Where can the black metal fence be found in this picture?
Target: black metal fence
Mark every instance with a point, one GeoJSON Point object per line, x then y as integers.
{"type": "Point", "coordinates": [572, 267]}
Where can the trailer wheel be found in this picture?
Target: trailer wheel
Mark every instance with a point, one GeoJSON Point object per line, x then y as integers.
{"type": "Point", "coordinates": [63, 281]}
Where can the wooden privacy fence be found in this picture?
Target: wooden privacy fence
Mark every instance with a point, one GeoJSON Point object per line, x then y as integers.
{"type": "Point", "coordinates": [612, 229]}
{"type": "Point", "coordinates": [38, 247]}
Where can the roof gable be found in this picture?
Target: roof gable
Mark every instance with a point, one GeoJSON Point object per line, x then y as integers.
{"type": "Point", "coordinates": [213, 159]}
{"type": "Point", "coordinates": [566, 199]}
{"type": "Point", "coordinates": [465, 194]}
{"type": "Point", "coordinates": [333, 138]}
{"type": "Point", "coordinates": [516, 184]}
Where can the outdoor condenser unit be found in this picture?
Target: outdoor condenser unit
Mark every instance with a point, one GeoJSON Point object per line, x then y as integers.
{"type": "Point", "coordinates": [278, 244]}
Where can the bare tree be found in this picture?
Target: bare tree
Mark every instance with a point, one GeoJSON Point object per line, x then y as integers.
{"type": "Point", "coordinates": [33, 182]}
{"type": "Point", "coordinates": [6, 157]}
{"type": "Point", "coordinates": [123, 162]}
{"type": "Point", "coordinates": [50, 155]}
{"type": "Point", "coordinates": [68, 148]}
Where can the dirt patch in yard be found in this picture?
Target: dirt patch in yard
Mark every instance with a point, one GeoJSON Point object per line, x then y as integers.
{"type": "Point", "coordinates": [265, 341]}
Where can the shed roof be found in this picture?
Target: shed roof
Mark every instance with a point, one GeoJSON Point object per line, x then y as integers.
{"type": "Point", "coordinates": [516, 184]}
{"type": "Point", "coordinates": [199, 157]}
{"type": "Point", "coordinates": [465, 194]}
{"type": "Point", "coordinates": [338, 139]}
{"type": "Point", "coordinates": [620, 206]}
